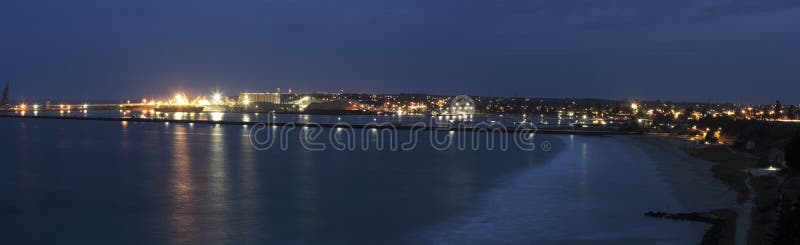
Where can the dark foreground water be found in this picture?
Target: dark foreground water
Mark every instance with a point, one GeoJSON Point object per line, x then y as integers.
{"type": "Point", "coordinates": [64, 181]}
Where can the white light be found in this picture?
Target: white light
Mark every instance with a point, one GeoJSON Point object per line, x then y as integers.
{"type": "Point", "coordinates": [217, 116]}
{"type": "Point", "coordinates": [217, 97]}
{"type": "Point", "coordinates": [180, 99]}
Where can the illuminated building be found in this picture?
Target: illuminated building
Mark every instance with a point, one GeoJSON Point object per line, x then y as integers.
{"type": "Point", "coordinates": [247, 98]}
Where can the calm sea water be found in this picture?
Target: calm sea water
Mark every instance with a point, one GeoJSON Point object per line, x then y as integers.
{"type": "Point", "coordinates": [151, 183]}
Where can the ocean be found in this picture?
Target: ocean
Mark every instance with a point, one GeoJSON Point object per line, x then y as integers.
{"type": "Point", "coordinates": [157, 183]}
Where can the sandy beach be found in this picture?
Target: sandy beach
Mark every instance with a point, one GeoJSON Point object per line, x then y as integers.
{"type": "Point", "coordinates": [572, 199]}
{"type": "Point", "coordinates": [692, 182]}
{"type": "Point", "coordinates": [691, 179]}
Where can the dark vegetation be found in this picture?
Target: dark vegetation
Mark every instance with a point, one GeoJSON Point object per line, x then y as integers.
{"type": "Point", "coordinates": [792, 150]}
{"type": "Point", "coordinates": [765, 135]}
{"type": "Point", "coordinates": [787, 229]}
{"type": "Point", "coordinates": [775, 217]}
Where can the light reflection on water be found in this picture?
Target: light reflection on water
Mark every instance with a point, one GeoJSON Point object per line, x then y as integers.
{"type": "Point", "coordinates": [205, 184]}
{"type": "Point", "coordinates": [220, 189]}
{"type": "Point", "coordinates": [217, 116]}
{"type": "Point", "coordinates": [183, 202]}
{"type": "Point", "coordinates": [179, 116]}
{"type": "Point", "coordinates": [306, 195]}
{"type": "Point", "coordinates": [584, 181]}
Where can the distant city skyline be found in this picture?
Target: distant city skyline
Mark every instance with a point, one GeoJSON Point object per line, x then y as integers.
{"type": "Point", "coordinates": [194, 92]}
{"type": "Point", "coordinates": [698, 51]}
{"type": "Point", "coordinates": [234, 94]}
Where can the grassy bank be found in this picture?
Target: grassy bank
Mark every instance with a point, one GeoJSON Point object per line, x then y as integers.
{"type": "Point", "coordinates": [763, 214]}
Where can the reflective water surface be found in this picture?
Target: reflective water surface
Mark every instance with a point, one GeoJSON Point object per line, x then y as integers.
{"type": "Point", "coordinates": [146, 183]}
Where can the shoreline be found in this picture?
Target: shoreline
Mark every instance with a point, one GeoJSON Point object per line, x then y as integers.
{"type": "Point", "coordinates": [692, 181]}
{"type": "Point", "coordinates": [589, 170]}
{"type": "Point", "coordinates": [594, 131]}
{"type": "Point", "coordinates": [696, 186]}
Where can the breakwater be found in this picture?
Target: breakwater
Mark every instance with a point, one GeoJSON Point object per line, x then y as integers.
{"type": "Point", "coordinates": [722, 221]}
{"type": "Point", "coordinates": [578, 131]}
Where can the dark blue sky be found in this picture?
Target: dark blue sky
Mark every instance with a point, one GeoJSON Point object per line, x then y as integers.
{"type": "Point", "coordinates": [715, 50]}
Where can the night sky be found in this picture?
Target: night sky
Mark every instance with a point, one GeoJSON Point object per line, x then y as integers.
{"type": "Point", "coordinates": [716, 50]}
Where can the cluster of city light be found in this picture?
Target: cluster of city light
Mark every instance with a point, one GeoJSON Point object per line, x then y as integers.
{"type": "Point", "coordinates": [246, 100]}
{"type": "Point", "coordinates": [703, 133]}
{"type": "Point", "coordinates": [180, 99]}
{"type": "Point", "coordinates": [37, 107]}
{"type": "Point", "coordinates": [217, 98]}
{"type": "Point", "coordinates": [656, 113]}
